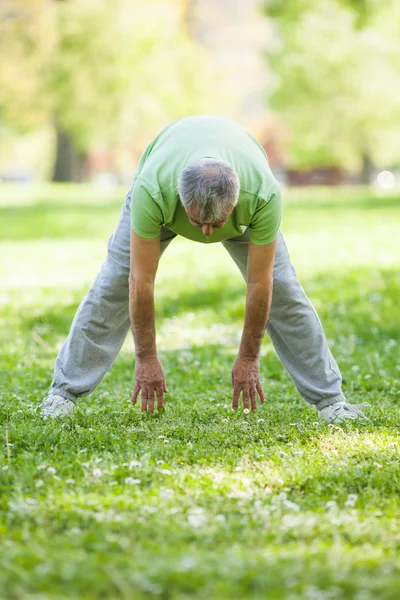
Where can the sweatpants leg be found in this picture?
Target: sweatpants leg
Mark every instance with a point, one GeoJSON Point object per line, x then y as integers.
{"type": "Point", "coordinates": [295, 329]}
{"type": "Point", "coordinates": [102, 321]}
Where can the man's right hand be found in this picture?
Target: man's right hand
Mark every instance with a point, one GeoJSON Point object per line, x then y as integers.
{"type": "Point", "coordinates": [149, 380]}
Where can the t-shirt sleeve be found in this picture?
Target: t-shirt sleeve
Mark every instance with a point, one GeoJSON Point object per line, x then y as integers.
{"type": "Point", "coordinates": [146, 215]}
{"type": "Point", "coordinates": [265, 222]}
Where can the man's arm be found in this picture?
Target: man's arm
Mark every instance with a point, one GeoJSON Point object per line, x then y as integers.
{"type": "Point", "coordinates": [246, 370]}
{"type": "Point", "coordinates": [149, 376]}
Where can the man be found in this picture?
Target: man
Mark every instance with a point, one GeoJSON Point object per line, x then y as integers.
{"type": "Point", "coordinates": [207, 179]}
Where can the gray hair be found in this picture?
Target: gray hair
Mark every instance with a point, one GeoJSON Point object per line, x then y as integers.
{"type": "Point", "coordinates": [212, 185]}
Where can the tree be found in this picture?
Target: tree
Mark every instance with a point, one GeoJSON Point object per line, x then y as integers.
{"type": "Point", "coordinates": [338, 80]}
{"type": "Point", "coordinates": [124, 66]}
{"type": "Point", "coordinates": [107, 70]}
{"type": "Point", "coordinates": [24, 103]}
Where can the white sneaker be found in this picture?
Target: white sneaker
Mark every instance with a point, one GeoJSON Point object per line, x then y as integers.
{"type": "Point", "coordinates": [56, 406]}
{"type": "Point", "coordinates": [341, 411]}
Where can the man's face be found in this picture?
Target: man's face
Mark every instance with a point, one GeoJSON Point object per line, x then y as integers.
{"type": "Point", "coordinates": [207, 228]}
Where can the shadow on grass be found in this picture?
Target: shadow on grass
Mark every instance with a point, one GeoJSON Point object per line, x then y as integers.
{"type": "Point", "coordinates": [64, 221]}
{"type": "Point", "coordinates": [348, 202]}
{"type": "Point", "coordinates": [89, 220]}
{"type": "Point", "coordinates": [364, 300]}
{"type": "Point", "coordinates": [358, 312]}
{"type": "Point", "coordinates": [226, 297]}
{"type": "Point", "coordinates": [355, 303]}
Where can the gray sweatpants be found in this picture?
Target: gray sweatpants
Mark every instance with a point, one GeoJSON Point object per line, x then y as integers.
{"type": "Point", "coordinates": [101, 323]}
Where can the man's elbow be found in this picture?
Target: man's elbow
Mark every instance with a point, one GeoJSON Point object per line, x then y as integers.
{"type": "Point", "coordinates": [263, 285]}
{"type": "Point", "coordinates": [140, 283]}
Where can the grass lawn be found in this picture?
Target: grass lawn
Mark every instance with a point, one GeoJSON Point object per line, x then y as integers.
{"type": "Point", "coordinates": [199, 501]}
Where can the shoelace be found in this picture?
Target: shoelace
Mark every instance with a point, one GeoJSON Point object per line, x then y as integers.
{"type": "Point", "coordinates": [350, 410]}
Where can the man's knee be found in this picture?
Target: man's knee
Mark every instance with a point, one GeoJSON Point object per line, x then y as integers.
{"type": "Point", "coordinates": [285, 287]}
{"type": "Point", "coordinates": [113, 282]}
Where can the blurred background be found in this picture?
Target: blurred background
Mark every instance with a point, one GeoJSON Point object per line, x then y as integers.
{"type": "Point", "coordinates": [84, 86]}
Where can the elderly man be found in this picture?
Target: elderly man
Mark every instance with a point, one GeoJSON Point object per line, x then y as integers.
{"type": "Point", "coordinates": [207, 179]}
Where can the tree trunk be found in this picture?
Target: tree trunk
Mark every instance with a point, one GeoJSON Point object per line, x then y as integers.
{"type": "Point", "coordinates": [367, 169]}
{"type": "Point", "coordinates": [69, 164]}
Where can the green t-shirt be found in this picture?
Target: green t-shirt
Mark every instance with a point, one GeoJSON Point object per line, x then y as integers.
{"type": "Point", "coordinates": [155, 201]}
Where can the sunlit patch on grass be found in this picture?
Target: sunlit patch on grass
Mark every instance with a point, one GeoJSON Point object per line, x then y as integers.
{"type": "Point", "coordinates": [197, 330]}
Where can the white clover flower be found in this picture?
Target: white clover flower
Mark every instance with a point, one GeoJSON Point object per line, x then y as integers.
{"type": "Point", "coordinates": [291, 521]}
{"type": "Point", "coordinates": [97, 472]}
{"type": "Point", "coordinates": [132, 481]}
{"type": "Point", "coordinates": [197, 517]}
{"type": "Point", "coordinates": [351, 500]}
{"type": "Point", "coordinates": [174, 510]}
{"type": "Point", "coordinates": [187, 563]}
{"type": "Point", "coordinates": [292, 505]}
{"type": "Point", "coordinates": [241, 494]}
{"type": "Point", "coordinates": [165, 493]}
{"type": "Point", "coordinates": [51, 470]}
{"type": "Point", "coordinates": [134, 463]}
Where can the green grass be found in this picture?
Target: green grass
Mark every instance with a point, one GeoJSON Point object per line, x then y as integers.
{"type": "Point", "coordinates": [199, 502]}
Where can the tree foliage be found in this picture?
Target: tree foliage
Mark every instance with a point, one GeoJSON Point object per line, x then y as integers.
{"type": "Point", "coordinates": [24, 102]}
{"type": "Point", "coordinates": [338, 84]}
{"type": "Point", "coordinates": [126, 66]}
{"type": "Point", "coordinates": [99, 70]}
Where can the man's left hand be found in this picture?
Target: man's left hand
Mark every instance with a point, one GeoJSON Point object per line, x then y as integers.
{"type": "Point", "coordinates": [246, 381]}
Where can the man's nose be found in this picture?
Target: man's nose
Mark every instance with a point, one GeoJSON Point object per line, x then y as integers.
{"type": "Point", "coordinates": [207, 229]}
